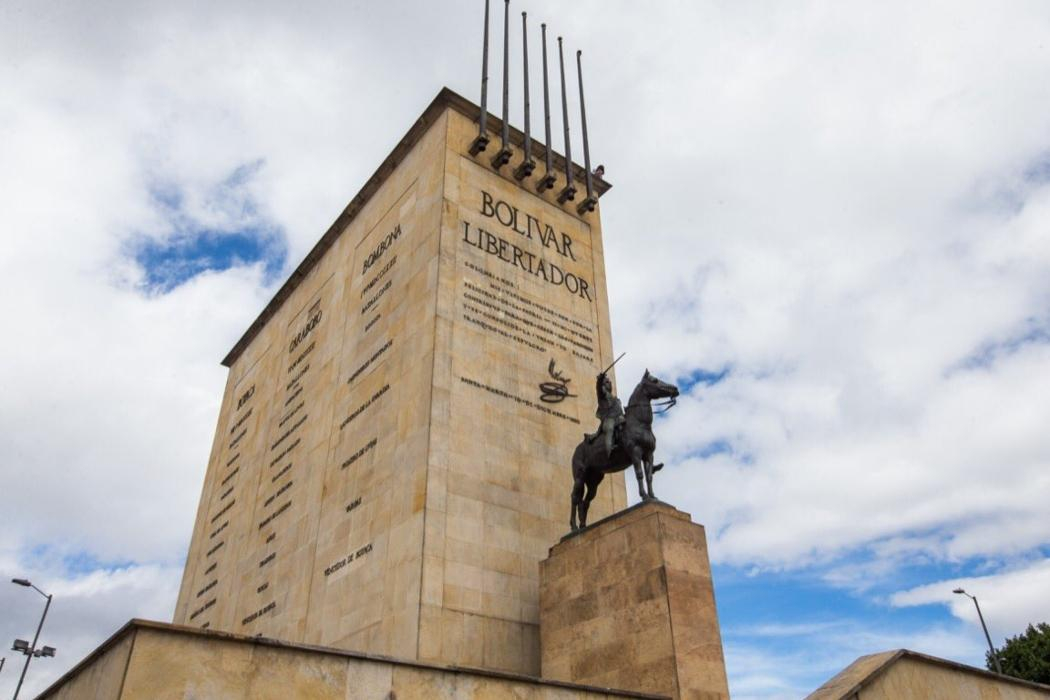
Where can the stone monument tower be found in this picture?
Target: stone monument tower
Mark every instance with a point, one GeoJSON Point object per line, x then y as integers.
{"type": "Point", "coordinates": [390, 463]}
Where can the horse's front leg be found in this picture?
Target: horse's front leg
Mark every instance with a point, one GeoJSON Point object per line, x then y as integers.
{"type": "Point", "coordinates": [649, 474]}
{"type": "Point", "coordinates": [639, 474]}
{"type": "Point", "coordinates": [585, 504]}
{"type": "Point", "coordinates": [577, 496]}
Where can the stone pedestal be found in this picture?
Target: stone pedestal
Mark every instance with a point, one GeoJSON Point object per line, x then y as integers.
{"type": "Point", "coordinates": [629, 603]}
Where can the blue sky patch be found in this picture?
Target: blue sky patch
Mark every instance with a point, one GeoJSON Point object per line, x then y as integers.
{"type": "Point", "coordinates": [236, 233]}
{"type": "Point", "coordinates": [1038, 172]}
{"type": "Point", "coordinates": [1035, 331]}
{"type": "Point", "coordinates": [793, 617]}
{"type": "Point", "coordinates": [717, 447]}
{"type": "Point", "coordinates": [171, 262]}
{"type": "Point", "coordinates": [79, 563]}
{"type": "Point", "coordinates": [73, 563]}
{"type": "Point", "coordinates": [701, 376]}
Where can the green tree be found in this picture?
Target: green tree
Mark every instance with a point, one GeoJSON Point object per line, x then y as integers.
{"type": "Point", "coordinates": [1026, 656]}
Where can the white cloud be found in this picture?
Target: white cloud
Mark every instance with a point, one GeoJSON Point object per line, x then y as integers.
{"type": "Point", "coordinates": [1010, 600]}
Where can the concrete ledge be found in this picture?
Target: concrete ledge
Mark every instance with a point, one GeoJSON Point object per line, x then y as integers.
{"type": "Point", "coordinates": [146, 659]}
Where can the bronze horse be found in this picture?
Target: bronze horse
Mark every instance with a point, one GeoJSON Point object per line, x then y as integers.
{"type": "Point", "coordinates": [635, 444]}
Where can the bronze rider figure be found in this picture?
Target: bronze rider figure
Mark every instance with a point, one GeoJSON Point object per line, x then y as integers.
{"type": "Point", "coordinates": [610, 412]}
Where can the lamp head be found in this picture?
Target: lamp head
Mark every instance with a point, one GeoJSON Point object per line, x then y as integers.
{"type": "Point", "coordinates": [47, 651]}
{"type": "Point", "coordinates": [22, 582]}
{"type": "Point", "coordinates": [20, 645]}
{"type": "Point", "coordinates": [959, 591]}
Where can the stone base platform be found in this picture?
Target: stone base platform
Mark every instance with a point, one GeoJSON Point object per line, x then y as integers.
{"type": "Point", "coordinates": [155, 661]}
{"type": "Point", "coordinates": [628, 602]}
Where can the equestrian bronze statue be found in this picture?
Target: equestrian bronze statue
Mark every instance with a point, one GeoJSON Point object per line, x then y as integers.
{"type": "Point", "coordinates": [624, 438]}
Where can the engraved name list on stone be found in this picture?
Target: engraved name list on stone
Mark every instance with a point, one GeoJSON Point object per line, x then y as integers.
{"type": "Point", "coordinates": [362, 474]}
{"type": "Point", "coordinates": [227, 512]}
{"type": "Point", "coordinates": [275, 548]}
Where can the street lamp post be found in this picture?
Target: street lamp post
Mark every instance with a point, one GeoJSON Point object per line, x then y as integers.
{"type": "Point", "coordinates": [32, 649]}
{"type": "Point", "coordinates": [991, 649]}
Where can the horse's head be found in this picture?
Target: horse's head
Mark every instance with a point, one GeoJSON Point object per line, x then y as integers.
{"type": "Point", "coordinates": [656, 388]}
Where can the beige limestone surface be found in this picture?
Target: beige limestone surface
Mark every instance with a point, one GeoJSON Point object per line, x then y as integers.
{"type": "Point", "coordinates": [100, 679]}
{"type": "Point", "coordinates": [914, 678]}
{"type": "Point", "coordinates": [152, 661]}
{"type": "Point", "coordinates": [907, 675]}
{"type": "Point", "coordinates": [386, 474]}
{"type": "Point", "coordinates": [629, 602]}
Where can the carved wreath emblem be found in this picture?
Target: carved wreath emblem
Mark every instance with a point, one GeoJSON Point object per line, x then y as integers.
{"type": "Point", "coordinates": [557, 390]}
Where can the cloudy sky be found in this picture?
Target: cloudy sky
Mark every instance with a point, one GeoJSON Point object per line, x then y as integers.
{"type": "Point", "coordinates": [829, 224]}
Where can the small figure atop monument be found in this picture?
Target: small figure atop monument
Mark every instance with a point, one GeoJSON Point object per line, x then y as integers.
{"type": "Point", "coordinates": [624, 437]}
